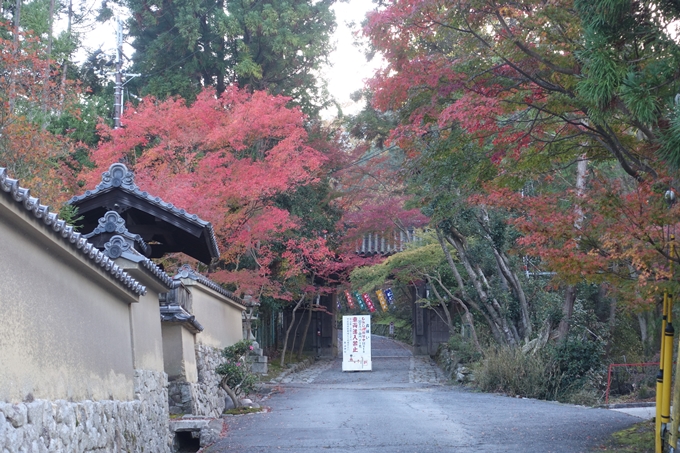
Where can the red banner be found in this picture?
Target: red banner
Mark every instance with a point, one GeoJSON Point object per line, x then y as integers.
{"type": "Point", "coordinates": [369, 302]}
{"type": "Point", "coordinates": [350, 301]}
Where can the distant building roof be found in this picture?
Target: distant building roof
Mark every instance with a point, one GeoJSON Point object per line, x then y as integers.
{"type": "Point", "coordinates": [66, 233]}
{"type": "Point", "coordinates": [164, 227]}
{"type": "Point", "coordinates": [385, 244]}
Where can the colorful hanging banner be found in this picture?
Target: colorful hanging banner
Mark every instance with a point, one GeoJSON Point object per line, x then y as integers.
{"type": "Point", "coordinates": [360, 300]}
{"type": "Point", "coordinates": [383, 300]}
{"type": "Point", "coordinates": [350, 302]}
{"type": "Point", "coordinates": [369, 302]}
{"type": "Point", "coordinates": [390, 296]}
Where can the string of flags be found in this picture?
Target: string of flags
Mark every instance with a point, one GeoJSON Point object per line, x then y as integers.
{"type": "Point", "coordinates": [364, 302]}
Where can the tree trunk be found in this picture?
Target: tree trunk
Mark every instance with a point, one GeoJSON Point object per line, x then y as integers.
{"type": "Point", "coordinates": [15, 50]}
{"type": "Point", "coordinates": [567, 311]}
{"type": "Point", "coordinates": [285, 339]}
{"type": "Point", "coordinates": [293, 341]}
{"type": "Point", "coordinates": [46, 74]}
{"type": "Point", "coordinates": [611, 322]}
{"type": "Point", "coordinates": [570, 294]}
{"type": "Point", "coordinates": [306, 330]}
{"type": "Point", "coordinates": [64, 65]}
{"type": "Point", "coordinates": [612, 309]}
{"type": "Point", "coordinates": [500, 332]}
{"type": "Point", "coordinates": [433, 281]}
{"type": "Point", "coordinates": [231, 394]}
{"type": "Point", "coordinates": [509, 276]}
{"type": "Point", "coordinates": [642, 322]}
{"type": "Point", "coordinates": [466, 316]}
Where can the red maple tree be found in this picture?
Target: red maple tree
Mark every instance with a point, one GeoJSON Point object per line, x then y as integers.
{"type": "Point", "coordinates": [224, 159]}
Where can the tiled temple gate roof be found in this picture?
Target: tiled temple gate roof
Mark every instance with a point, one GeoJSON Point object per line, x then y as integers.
{"type": "Point", "coordinates": [163, 226]}
{"type": "Point", "coordinates": [116, 241]}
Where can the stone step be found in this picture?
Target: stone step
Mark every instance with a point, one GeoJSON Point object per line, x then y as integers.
{"type": "Point", "coordinates": [188, 424]}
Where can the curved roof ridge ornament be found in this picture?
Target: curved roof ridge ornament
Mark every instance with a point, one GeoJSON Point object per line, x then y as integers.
{"type": "Point", "coordinates": [116, 246]}
{"type": "Point", "coordinates": [111, 223]}
{"type": "Point", "coordinates": [118, 176]}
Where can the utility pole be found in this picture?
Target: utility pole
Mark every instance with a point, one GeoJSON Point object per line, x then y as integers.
{"type": "Point", "coordinates": [118, 94]}
{"type": "Point", "coordinates": [118, 103]}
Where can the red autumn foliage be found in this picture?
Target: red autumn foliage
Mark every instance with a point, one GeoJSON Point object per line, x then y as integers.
{"type": "Point", "coordinates": [39, 158]}
{"type": "Point", "coordinates": [619, 235]}
{"type": "Point", "coordinates": [224, 159]}
{"type": "Point", "coordinates": [505, 75]}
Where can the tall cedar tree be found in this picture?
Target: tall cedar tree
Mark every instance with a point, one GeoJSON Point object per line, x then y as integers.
{"type": "Point", "coordinates": [183, 46]}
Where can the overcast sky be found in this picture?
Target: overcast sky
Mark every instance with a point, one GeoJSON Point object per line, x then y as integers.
{"type": "Point", "coordinates": [349, 68]}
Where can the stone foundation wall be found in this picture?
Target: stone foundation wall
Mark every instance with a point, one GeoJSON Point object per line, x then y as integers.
{"type": "Point", "coordinates": [181, 397]}
{"type": "Point", "coordinates": [210, 398]}
{"type": "Point", "coordinates": [61, 426]}
{"type": "Point", "coordinates": [204, 397]}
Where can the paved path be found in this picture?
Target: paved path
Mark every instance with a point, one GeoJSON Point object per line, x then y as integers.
{"type": "Point", "coordinates": [405, 405]}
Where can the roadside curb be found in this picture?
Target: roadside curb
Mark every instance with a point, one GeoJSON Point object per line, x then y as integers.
{"type": "Point", "coordinates": [293, 369]}
{"type": "Point", "coordinates": [626, 405]}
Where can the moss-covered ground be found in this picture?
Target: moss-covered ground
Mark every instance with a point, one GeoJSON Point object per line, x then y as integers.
{"type": "Point", "coordinates": [639, 438]}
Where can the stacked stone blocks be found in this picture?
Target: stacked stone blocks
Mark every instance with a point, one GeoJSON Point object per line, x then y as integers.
{"type": "Point", "coordinates": [62, 426]}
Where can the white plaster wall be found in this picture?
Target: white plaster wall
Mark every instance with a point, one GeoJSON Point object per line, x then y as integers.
{"type": "Point", "coordinates": [65, 324]}
{"type": "Point", "coordinates": [220, 317]}
{"type": "Point", "coordinates": [147, 339]}
{"type": "Point", "coordinates": [178, 353]}
{"type": "Point", "coordinates": [147, 336]}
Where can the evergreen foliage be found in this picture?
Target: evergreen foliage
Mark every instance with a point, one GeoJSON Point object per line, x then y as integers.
{"type": "Point", "coordinates": [183, 46]}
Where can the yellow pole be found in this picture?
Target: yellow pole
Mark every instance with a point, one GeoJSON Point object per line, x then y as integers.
{"type": "Point", "coordinates": [675, 420]}
{"type": "Point", "coordinates": [659, 381]}
{"type": "Point", "coordinates": [667, 362]}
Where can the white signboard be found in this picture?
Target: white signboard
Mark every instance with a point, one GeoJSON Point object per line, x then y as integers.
{"type": "Point", "coordinates": [356, 343]}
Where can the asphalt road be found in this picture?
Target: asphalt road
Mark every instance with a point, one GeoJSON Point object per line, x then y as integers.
{"type": "Point", "coordinates": [404, 405]}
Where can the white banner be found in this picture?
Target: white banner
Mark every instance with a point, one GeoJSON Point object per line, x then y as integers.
{"type": "Point", "coordinates": [356, 343]}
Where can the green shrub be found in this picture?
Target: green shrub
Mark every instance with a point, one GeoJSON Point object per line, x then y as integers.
{"type": "Point", "coordinates": [575, 359]}
{"type": "Point", "coordinates": [237, 379]}
{"type": "Point", "coordinates": [568, 372]}
{"type": "Point", "coordinates": [509, 371]}
{"type": "Point", "coordinates": [463, 349]}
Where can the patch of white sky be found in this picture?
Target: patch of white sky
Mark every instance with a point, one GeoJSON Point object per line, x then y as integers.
{"type": "Point", "coordinates": [346, 73]}
{"type": "Point", "coordinates": [348, 69]}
